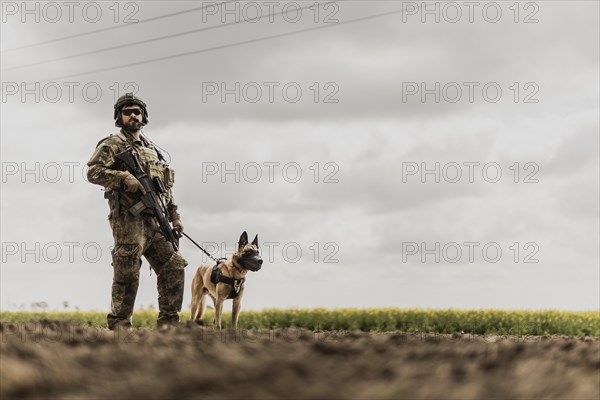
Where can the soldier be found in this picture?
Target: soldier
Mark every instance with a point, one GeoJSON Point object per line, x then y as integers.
{"type": "Point", "coordinates": [135, 229]}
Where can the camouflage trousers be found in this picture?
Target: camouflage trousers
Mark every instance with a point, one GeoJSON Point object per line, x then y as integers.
{"type": "Point", "coordinates": [134, 237]}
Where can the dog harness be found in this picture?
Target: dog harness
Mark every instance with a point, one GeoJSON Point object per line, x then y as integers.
{"type": "Point", "coordinates": [217, 276]}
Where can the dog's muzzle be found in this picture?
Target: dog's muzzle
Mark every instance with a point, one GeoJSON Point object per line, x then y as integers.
{"type": "Point", "coordinates": [251, 263]}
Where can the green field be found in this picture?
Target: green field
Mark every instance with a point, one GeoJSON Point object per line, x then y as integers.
{"type": "Point", "coordinates": [548, 322]}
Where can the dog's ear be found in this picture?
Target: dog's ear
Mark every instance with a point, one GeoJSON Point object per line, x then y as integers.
{"type": "Point", "coordinates": [243, 240]}
{"type": "Point", "coordinates": [255, 241]}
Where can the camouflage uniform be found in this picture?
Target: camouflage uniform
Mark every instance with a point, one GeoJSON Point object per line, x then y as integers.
{"type": "Point", "coordinates": [135, 236]}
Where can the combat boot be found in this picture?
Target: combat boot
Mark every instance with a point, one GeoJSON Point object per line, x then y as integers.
{"type": "Point", "coordinates": [170, 321]}
{"type": "Point", "coordinates": [119, 325]}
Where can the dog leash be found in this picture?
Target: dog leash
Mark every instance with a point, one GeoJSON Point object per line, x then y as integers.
{"type": "Point", "coordinates": [217, 261]}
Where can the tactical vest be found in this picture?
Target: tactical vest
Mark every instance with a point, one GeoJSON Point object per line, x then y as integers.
{"type": "Point", "coordinates": [154, 165]}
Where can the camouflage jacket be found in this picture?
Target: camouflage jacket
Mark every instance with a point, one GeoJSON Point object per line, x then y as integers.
{"type": "Point", "coordinates": [104, 170]}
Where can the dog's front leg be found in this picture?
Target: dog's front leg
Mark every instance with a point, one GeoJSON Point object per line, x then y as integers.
{"type": "Point", "coordinates": [218, 310]}
{"type": "Point", "coordinates": [237, 304]}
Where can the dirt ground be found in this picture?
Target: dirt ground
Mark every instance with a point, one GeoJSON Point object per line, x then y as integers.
{"type": "Point", "coordinates": [49, 359]}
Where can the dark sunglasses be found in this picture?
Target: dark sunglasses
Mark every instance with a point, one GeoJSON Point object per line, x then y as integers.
{"type": "Point", "coordinates": [135, 111]}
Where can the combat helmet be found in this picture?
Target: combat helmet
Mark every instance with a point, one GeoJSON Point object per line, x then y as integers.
{"type": "Point", "coordinates": [126, 100]}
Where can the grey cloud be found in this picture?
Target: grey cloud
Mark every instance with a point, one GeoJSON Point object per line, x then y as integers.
{"type": "Point", "coordinates": [389, 54]}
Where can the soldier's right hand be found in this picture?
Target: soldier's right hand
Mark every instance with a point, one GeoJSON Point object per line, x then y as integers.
{"type": "Point", "coordinates": [131, 184]}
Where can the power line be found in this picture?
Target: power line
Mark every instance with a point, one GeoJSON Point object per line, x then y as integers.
{"type": "Point", "coordinates": [222, 46]}
{"type": "Point", "coordinates": [145, 41]}
{"type": "Point", "coordinates": [110, 28]}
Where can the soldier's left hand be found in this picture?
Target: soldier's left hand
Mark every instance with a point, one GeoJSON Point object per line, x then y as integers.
{"type": "Point", "coordinates": [178, 227]}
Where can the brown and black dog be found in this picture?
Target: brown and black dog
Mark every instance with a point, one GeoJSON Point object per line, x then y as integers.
{"type": "Point", "coordinates": [225, 281]}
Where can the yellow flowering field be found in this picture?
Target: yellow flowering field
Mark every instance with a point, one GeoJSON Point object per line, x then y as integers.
{"type": "Point", "coordinates": [544, 322]}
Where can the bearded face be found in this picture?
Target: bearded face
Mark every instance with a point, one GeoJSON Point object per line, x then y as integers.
{"type": "Point", "coordinates": [131, 117]}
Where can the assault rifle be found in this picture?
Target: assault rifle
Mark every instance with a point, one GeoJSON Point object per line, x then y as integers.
{"type": "Point", "coordinates": [152, 200]}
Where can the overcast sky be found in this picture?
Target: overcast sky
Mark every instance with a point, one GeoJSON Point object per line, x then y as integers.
{"type": "Point", "coordinates": [389, 161]}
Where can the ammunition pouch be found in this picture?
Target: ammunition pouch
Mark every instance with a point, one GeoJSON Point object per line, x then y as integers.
{"type": "Point", "coordinates": [137, 208]}
{"type": "Point", "coordinates": [169, 178]}
{"type": "Point", "coordinates": [157, 169]}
